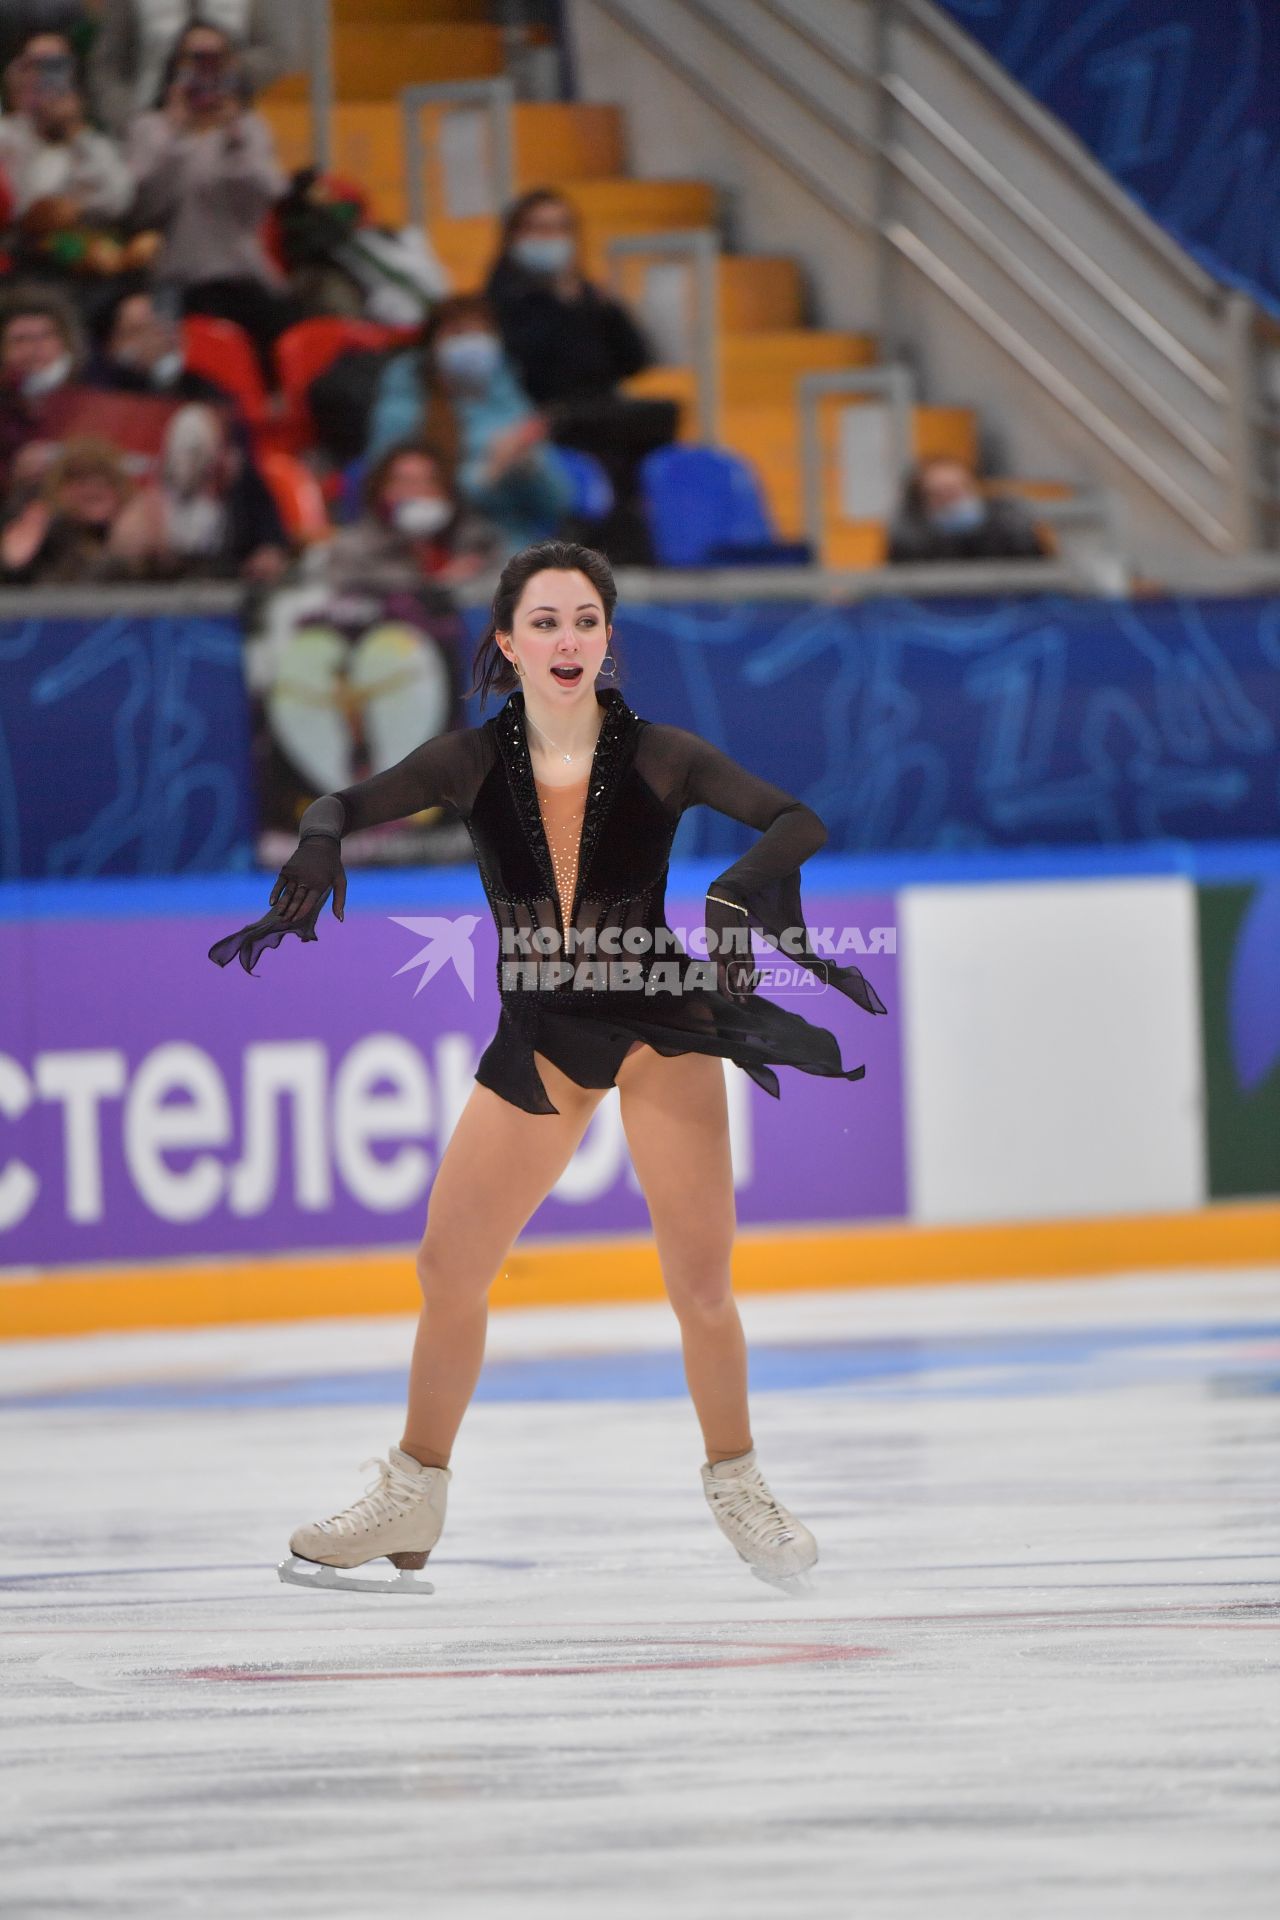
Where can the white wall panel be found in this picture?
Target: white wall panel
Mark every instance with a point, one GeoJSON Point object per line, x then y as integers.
{"type": "Point", "coordinates": [1052, 1049]}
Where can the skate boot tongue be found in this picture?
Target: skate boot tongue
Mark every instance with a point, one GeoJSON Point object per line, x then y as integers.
{"type": "Point", "coordinates": [406, 1463]}
{"type": "Point", "coordinates": [730, 1469]}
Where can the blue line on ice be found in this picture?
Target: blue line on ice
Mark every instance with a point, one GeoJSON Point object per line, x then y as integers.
{"type": "Point", "coordinates": [982, 1364]}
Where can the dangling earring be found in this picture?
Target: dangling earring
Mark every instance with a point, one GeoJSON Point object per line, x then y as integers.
{"type": "Point", "coordinates": [516, 664]}
{"type": "Point", "coordinates": [613, 668]}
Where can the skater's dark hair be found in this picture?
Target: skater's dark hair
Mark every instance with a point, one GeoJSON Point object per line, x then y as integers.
{"type": "Point", "coordinates": [493, 671]}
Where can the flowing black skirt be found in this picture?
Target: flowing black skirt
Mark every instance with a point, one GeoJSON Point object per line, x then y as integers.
{"type": "Point", "coordinates": [588, 1036]}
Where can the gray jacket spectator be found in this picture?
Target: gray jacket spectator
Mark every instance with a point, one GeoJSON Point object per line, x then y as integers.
{"type": "Point", "coordinates": [137, 37]}
{"type": "Point", "coordinates": [48, 151]}
{"type": "Point", "coordinates": [206, 177]}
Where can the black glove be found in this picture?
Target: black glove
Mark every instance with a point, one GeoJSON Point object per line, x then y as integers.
{"type": "Point", "coordinates": [312, 871]}
{"type": "Point", "coordinates": [314, 866]}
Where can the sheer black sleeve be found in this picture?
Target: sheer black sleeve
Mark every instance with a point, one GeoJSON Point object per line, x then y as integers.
{"type": "Point", "coordinates": [761, 889]}
{"type": "Point", "coordinates": [444, 772]}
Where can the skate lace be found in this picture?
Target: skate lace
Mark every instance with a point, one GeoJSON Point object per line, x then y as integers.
{"type": "Point", "coordinates": [752, 1509]}
{"type": "Point", "coordinates": [386, 1498]}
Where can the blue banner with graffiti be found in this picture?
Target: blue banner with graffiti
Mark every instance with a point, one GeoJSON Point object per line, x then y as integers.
{"type": "Point", "coordinates": [933, 725]}
{"type": "Point", "coordinates": [908, 725]}
{"type": "Point", "coordinates": [124, 746]}
{"type": "Point", "coordinates": [1179, 100]}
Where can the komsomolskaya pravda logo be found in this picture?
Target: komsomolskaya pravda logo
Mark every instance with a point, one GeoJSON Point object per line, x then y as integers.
{"type": "Point", "coordinates": [533, 959]}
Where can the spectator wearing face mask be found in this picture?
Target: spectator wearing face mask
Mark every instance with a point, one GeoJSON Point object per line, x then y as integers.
{"type": "Point", "coordinates": [206, 176]}
{"type": "Point", "coordinates": [64, 533]}
{"type": "Point", "coordinates": [196, 518]}
{"type": "Point", "coordinates": [413, 527]}
{"type": "Point", "coordinates": [41, 351]}
{"type": "Point", "coordinates": [136, 37]}
{"type": "Point", "coordinates": [571, 344]}
{"type": "Point", "coordinates": [139, 349]}
{"type": "Point", "coordinates": [64, 177]}
{"type": "Point", "coordinates": [566, 339]}
{"type": "Point", "coordinates": [943, 516]}
{"type": "Point", "coordinates": [461, 390]}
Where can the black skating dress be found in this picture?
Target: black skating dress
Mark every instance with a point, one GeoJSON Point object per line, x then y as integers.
{"type": "Point", "coordinates": [643, 776]}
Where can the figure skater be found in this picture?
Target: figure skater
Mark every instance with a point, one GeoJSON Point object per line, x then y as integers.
{"type": "Point", "coordinates": [572, 802]}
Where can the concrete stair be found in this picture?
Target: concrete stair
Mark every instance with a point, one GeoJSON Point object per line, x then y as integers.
{"type": "Point", "coordinates": [373, 61]}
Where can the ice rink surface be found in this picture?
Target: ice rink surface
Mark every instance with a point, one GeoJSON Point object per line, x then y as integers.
{"type": "Point", "coordinates": [1036, 1677]}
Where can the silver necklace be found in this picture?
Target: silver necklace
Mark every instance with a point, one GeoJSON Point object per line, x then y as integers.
{"type": "Point", "coordinates": [568, 758]}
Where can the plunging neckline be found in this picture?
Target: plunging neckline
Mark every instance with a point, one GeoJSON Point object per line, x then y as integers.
{"type": "Point", "coordinates": [555, 835]}
{"type": "Point", "coordinates": [597, 789]}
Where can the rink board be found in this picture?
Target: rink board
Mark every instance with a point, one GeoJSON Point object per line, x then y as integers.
{"type": "Point", "coordinates": [1077, 1073]}
{"type": "Point", "coordinates": [158, 1108]}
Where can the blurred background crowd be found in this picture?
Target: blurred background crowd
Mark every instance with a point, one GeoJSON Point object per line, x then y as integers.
{"type": "Point", "coordinates": [211, 367]}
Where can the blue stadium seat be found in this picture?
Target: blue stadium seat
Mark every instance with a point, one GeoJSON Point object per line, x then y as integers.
{"type": "Point", "coordinates": [705, 509]}
{"type": "Point", "coordinates": [592, 487]}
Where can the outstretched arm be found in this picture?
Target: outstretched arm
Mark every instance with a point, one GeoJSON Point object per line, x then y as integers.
{"type": "Point", "coordinates": [442, 772]}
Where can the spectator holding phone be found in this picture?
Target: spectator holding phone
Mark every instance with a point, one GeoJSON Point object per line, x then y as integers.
{"type": "Point", "coordinates": [206, 175]}
{"type": "Point", "coordinates": [65, 178]}
{"type": "Point", "coordinates": [135, 39]}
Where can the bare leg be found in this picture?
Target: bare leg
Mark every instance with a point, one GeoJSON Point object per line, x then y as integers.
{"type": "Point", "coordinates": [497, 1169]}
{"type": "Point", "coordinates": [676, 1118]}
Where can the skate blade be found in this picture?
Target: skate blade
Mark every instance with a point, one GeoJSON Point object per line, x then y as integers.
{"type": "Point", "coordinates": [312, 1573]}
{"type": "Point", "coordinates": [787, 1582]}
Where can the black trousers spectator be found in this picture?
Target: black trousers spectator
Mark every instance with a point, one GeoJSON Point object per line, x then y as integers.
{"type": "Point", "coordinates": [619, 433]}
{"type": "Point", "coordinates": [262, 313]}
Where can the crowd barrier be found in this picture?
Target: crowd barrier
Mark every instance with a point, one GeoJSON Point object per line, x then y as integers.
{"type": "Point", "coordinates": [908, 724]}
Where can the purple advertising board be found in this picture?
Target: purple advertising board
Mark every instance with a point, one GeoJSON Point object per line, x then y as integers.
{"type": "Point", "coordinates": [153, 1107]}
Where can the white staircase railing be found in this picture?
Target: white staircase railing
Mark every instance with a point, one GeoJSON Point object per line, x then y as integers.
{"type": "Point", "coordinates": [892, 119]}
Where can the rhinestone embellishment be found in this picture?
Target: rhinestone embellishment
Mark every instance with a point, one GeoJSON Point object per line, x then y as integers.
{"type": "Point", "coordinates": [605, 767]}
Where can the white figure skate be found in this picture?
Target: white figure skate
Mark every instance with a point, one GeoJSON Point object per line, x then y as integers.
{"type": "Point", "coordinates": [776, 1546]}
{"type": "Point", "coordinates": [398, 1519]}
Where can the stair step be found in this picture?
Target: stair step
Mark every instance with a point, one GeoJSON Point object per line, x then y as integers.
{"type": "Point", "coordinates": [854, 546]}
{"type": "Point", "coordinates": [559, 141]}
{"type": "Point", "coordinates": [466, 249]}
{"type": "Point", "coordinates": [638, 205]}
{"type": "Point", "coordinates": [1030, 490]}
{"type": "Point", "coordinates": [950, 432]}
{"type": "Point", "coordinates": [409, 13]}
{"type": "Point", "coordinates": [375, 62]}
{"type": "Point", "coordinates": [758, 372]}
{"type": "Point", "coordinates": [758, 292]}
{"type": "Point", "coordinates": [553, 143]}
{"type": "Point", "coordinates": [367, 147]}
